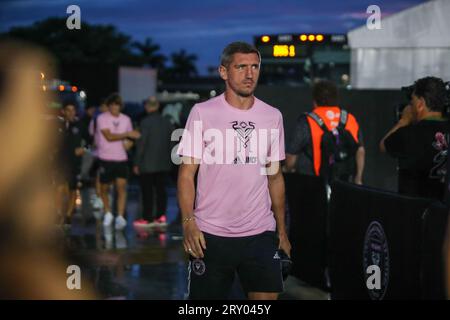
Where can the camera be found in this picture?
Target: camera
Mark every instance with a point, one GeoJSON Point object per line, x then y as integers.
{"type": "Point", "coordinates": [408, 91]}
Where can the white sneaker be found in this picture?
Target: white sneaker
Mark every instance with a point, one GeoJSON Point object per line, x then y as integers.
{"type": "Point", "coordinates": [121, 223]}
{"type": "Point", "coordinates": [108, 219]}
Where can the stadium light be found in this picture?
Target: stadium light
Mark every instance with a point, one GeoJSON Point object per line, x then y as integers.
{"type": "Point", "coordinates": [265, 39]}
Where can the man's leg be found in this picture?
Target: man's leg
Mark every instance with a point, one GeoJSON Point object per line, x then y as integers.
{"type": "Point", "coordinates": [161, 194]}
{"type": "Point", "coordinates": [260, 271]}
{"type": "Point", "coordinates": [61, 192]}
{"type": "Point", "coordinates": [72, 203]}
{"type": "Point", "coordinates": [147, 196]}
{"type": "Point", "coordinates": [121, 187]}
{"type": "Point", "coordinates": [72, 194]}
{"type": "Point", "coordinates": [98, 185]}
{"type": "Point", "coordinates": [104, 193]}
{"type": "Point", "coordinates": [212, 277]}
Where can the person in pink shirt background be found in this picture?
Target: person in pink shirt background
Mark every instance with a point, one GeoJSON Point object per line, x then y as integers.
{"type": "Point", "coordinates": [237, 223]}
{"type": "Point", "coordinates": [113, 133]}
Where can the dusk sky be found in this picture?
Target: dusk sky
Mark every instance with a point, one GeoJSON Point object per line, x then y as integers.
{"type": "Point", "coordinates": [205, 27]}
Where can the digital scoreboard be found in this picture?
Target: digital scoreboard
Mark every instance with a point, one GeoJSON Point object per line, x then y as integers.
{"type": "Point", "coordinates": [297, 59]}
{"type": "Point", "coordinates": [296, 45]}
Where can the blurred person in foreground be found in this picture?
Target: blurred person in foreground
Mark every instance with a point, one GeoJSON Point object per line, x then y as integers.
{"type": "Point", "coordinates": [31, 267]}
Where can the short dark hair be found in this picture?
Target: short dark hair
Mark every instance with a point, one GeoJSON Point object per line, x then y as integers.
{"type": "Point", "coordinates": [325, 93]}
{"type": "Point", "coordinates": [236, 47]}
{"type": "Point", "coordinates": [68, 103]}
{"type": "Point", "coordinates": [433, 91]}
{"type": "Point", "coordinates": [114, 98]}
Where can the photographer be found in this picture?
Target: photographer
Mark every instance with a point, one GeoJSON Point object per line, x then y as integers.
{"type": "Point", "coordinates": [420, 139]}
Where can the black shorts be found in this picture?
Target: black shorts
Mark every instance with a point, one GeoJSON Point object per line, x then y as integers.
{"type": "Point", "coordinates": [252, 258]}
{"type": "Point", "coordinates": [93, 170]}
{"type": "Point", "coordinates": [109, 171]}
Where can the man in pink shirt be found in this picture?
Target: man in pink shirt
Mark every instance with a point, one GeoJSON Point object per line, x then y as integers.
{"type": "Point", "coordinates": [113, 132]}
{"type": "Point", "coordinates": [237, 223]}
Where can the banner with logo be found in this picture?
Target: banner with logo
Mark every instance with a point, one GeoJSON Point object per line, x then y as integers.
{"type": "Point", "coordinates": [375, 243]}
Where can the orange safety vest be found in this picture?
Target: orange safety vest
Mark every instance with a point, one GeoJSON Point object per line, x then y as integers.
{"type": "Point", "coordinates": [331, 116]}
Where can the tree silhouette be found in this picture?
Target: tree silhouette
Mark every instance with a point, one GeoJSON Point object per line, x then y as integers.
{"type": "Point", "coordinates": [183, 65]}
{"type": "Point", "coordinates": [149, 53]}
{"type": "Point", "coordinates": [91, 44]}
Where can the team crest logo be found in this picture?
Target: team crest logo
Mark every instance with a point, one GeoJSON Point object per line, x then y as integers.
{"type": "Point", "coordinates": [199, 267]}
{"type": "Point", "coordinates": [244, 131]}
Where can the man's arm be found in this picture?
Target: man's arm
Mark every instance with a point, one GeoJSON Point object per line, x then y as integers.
{"type": "Point", "coordinates": [360, 159]}
{"type": "Point", "coordinates": [277, 195]}
{"type": "Point", "coordinates": [140, 147]}
{"type": "Point", "coordinates": [300, 138]}
{"type": "Point", "coordinates": [133, 134]}
{"type": "Point", "coordinates": [193, 237]}
{"type": "Point", "coordinates": [405, 120]}
{"type": "Point", "coordinates": [291, 159]}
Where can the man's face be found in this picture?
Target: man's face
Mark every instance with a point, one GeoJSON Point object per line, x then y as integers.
{"type": "Point", "coordinates": [70, 113]}
{"type": "Point", "coordinates": [241, 75]}
{"type": "Point", "coordinates": [90, 111]}
{"type": "Point", "coordinates": [114, 108]}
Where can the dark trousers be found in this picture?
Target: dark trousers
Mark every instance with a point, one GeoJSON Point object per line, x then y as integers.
{"type": "Point", "coordinates": [153, 184]}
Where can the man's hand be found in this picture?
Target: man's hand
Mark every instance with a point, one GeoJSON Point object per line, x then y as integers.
{"type": "Point", "coordinates": [407, 116]}
{"type": "Point", "coordinates": [136, 170]}
{"type": "Point", "coordinates": [128, 144]}
{"type": "Point", "coordinates": [194, 241]}
{"type": "Point", "coordinates": [79, 152]}
{"type": "Point", "coordinates": [285, 245]}
{"type": "Point", "coordinates": [134, 134]}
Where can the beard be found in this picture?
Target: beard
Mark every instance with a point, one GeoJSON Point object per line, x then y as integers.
{"type": "Point", "coordinates": [242, 92]}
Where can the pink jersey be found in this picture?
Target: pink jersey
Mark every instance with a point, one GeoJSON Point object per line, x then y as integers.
{"type": "Point", "coordinates": [233, 145]}
{"type": "Point", "coordinates": [111, 150]}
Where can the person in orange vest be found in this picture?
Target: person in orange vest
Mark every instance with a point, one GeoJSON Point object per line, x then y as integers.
{"type": "Point", "coordinates": [328, 141]}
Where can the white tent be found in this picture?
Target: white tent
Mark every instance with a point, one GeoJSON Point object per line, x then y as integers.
{"type": "Point", "coordinates": [411, 44]}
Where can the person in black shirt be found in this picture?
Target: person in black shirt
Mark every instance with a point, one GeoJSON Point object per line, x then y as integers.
{"type": "Point", "coordinates": [70, 155]}
{"type": "Point", "coordinates": [85, 122]}
{"type": "Point", "coordinates": [420, 140]}
{"type": "Point", "coordinates": [153, 163]}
